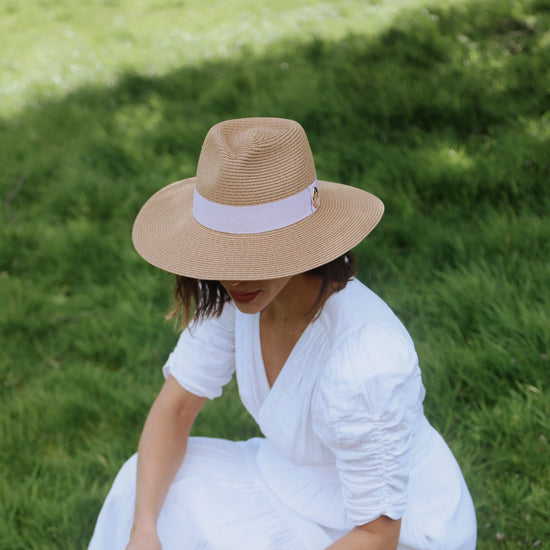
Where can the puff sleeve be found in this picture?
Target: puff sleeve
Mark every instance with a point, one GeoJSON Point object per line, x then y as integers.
{"type": "Point", "coordinates": [203, 360]}
{"type": "Point", "coordinates": [365, 408]}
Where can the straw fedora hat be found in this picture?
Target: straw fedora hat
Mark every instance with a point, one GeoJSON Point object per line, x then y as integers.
{"type": "Point", "coordinates": [255, 209]}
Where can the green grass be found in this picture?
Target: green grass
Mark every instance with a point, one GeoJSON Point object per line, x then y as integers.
{"type": "Point", "coordinates": [440, 108]}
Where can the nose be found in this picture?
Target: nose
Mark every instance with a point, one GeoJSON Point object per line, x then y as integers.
{"type": "Point", "coordinates": [234, 283]}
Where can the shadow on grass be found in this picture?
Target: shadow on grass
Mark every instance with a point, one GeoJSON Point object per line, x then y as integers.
{"type": "Point", "coordinates": [374, 110]}
{"type": "Point", "coordinates": [443, 117]}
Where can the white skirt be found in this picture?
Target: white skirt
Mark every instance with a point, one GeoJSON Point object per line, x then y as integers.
{"type": "Point", "coordinates": [220, 501]}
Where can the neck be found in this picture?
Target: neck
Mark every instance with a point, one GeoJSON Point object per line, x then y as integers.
{"type": "Point", "coordinates": [294, 304]}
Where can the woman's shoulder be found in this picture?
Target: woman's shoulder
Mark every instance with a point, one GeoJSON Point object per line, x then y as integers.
{"type": "Point", "coordinates": [355, 311]}
{"type": "Point", "coordinates": [372, 362]}
{"type": "Point", "coordinates": [222, 325]}
{"type": "Point", "coordinates": [364, 340]}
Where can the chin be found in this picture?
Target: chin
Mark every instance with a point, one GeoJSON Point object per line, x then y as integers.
{"type": "Point", "coordinates": [251, 309]}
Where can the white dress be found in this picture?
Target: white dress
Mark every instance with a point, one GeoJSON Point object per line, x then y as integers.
{"type": "Point", "coordinates": [346, 441]}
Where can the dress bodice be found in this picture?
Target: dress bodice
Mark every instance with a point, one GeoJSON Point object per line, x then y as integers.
{"type": "Point", "coordinates": [344, 413]}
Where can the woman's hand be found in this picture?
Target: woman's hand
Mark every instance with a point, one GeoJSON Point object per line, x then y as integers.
{"type": "Point", "coordinates": [161, 450]}
{"type": "Point", "coordinates": [144, 541]}
{"type": "Point", "coordinates": [380, 534]}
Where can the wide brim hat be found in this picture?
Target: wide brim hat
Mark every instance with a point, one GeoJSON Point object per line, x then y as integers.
{"type": "Point", "coordinates": [255, 209]}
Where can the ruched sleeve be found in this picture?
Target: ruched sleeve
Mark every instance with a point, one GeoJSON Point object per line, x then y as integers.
{"type": "Point", "coordinates": [365, 408]}
{"type": "Point", "coordinates": [203, 360]}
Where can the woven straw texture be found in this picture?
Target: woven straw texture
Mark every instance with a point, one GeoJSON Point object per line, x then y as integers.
{"type": "Point", "coordinates": [246, 162]}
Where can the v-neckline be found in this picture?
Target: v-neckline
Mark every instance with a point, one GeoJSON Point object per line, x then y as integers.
{"type": "Point", "coordinates": [260, 359]}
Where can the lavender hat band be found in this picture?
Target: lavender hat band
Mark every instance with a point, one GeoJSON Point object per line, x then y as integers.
{"type": "Point", "coordinates": [258, 218]}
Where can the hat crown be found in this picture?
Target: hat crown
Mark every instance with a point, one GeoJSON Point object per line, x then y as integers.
{"type": "Point", "coordinates": [252, 161]}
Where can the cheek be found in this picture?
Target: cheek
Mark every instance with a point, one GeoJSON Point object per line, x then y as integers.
{"type": "Point", "coordinates": [271, 292]}
{"type": "Point", "coordinates": [278, 285]}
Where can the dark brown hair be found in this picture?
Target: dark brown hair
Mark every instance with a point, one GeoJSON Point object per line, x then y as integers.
{"type": "Point", "coordinates": [209, 297]}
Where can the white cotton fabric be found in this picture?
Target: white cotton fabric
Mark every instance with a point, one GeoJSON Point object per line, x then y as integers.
{"type": "Point", "coordinates": [346, 441]}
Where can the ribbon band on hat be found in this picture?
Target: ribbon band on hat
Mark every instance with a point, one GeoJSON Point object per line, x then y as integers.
{"type": "Point", "coordinates": [258, 218]}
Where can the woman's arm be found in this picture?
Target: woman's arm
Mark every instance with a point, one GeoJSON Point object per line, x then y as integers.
{"type": "Point", "coordinates": [160, 453]}
{"type": "Point", "coordinates": [380, 534]}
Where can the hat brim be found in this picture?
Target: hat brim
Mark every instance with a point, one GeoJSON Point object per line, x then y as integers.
{"type": "Point", "coordinates": [166, 234]}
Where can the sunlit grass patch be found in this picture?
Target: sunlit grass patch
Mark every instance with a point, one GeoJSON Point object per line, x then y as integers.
{"type": "Point", "coordinates": [94, 41]}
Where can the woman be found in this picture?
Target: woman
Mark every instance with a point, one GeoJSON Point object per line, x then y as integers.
{"type": "Point", "coordinates": [323, 365]}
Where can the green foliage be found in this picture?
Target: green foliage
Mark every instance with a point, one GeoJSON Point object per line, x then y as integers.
{"type": "Point", "coordinates": [440, 108]}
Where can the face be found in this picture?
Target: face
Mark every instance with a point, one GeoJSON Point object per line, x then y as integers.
{"type": "Point", "coordinates": [254, 296]}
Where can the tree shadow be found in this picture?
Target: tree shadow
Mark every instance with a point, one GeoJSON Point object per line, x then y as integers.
{"type": "Point", "coordinates": [443, 76]}
{"type": "Point", "coordinates": [443, 116]}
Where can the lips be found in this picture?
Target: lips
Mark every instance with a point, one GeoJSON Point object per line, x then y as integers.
{"type": "Point", "coordinates": [243, 297]}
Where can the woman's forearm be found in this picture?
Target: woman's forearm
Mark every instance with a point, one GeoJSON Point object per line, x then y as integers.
{"type": "Point", "coordinates": [380, 534]}
{"type": "Point", "coordinates": [161, 450]}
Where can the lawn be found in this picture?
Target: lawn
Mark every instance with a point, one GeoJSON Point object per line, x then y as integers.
{"type": "Point", "coordinates": [442, 108]}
